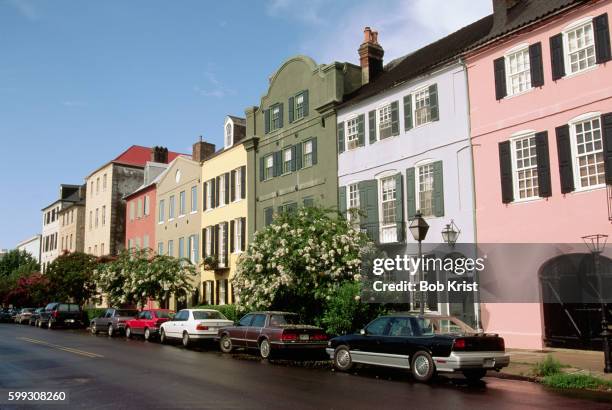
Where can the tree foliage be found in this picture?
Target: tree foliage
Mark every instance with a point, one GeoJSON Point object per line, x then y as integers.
{"type": "Point", "coordinates": [71, 277]}
{"type": "Point", "coordinates": [29, 291]}
{"type": "Point", "coordinates": [14, 265]}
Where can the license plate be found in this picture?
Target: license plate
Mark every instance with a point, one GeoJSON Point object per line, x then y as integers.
{"type": "Point", "coordinates": [489, 362]}
{"type": "Point", "coordinates": [304, 337]}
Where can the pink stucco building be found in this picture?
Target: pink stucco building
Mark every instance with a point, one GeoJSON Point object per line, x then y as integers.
{"type": "Point", "coordinates": [540, 88]}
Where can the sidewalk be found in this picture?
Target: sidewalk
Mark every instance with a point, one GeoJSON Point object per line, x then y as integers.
{"type": "Point", "coordinates": [579, 361]}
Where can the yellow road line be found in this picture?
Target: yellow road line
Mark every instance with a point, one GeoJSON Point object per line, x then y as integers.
{"type": "Point", "coordinates": [63, 348]}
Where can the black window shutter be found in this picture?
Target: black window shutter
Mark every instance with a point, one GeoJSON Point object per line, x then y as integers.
{"type": "Point", "coordinates": [407, 112]}
{"type": "Point", "coordinates": [217, 287]}
{"type": "Point", "coordinates": [542, 155]}
{"type": "Point", "coordinates": [226, 180]}
{"type": "Point", "coordinates": [535, 65]}
{"type": "Point", "coordinates": [278, 163]}
{"type": "Point", "coordinates": [213, 188]}
{"type": "Point", "coordinates": [557, 60]}
{"type": "Point", "coordinates": [233, 186]}
{"type": "Point", "coordinates": [204, 243]}
{"type": "Point", "coordinates": [293, 158]}
{"type": "Point", "coordinates": [314, 151]}
{"type": "Point", "coordinates": [305, 94]}
{"type": "Point", "coordinates": [266, 121]}
{"type": "Point", "coordinates": [225, 242]}
{"type": "Point", "coordinates": [342, 205]}
{"type": "Point", "coordinates": [243, 233]}
{"type": "Point", "coordinates": [227, 301]}
{"type": "Point", "coordinates": [394, 118]}
{"type": "Point", "coordinates": [280, 115]}
{"type": "Point", "coordinates": [231, 236]}
{"type": "Point", "coordinates": [499, 67]}
{"type": "Point", "coordinates": [204, 194]}
{"type": "Point", "coordinates": [243, 182]}
{"type": "Point", "coordinates": [261, 168]}
{"type": "Point", "coordinates": [340, 137]}
{"type": "Point", "coordinates": [372, 126]}
{"type": "Point", "coordinates": [217, 190]}
{"type": "Point", "coordinates": [564, 152]}
{"type": "Point", "coordinates": [602, 38]}
{"type": "Point", "coordinates": [361, 130]}
{"type": "Point", "coordinates": [438, 189]}
{"type": "Point", "coordinates": [606, 121]}
{"type": "Point", "coordinates": [411, 192]}
{"type": "Point", "coordinates": [505, 168]}
{"type": "Point", "coordinates": [215, 243]}
{"type": "Point", "coordinates": [298, 156]}
{"type": "Point", "coordinates": [290, 106]}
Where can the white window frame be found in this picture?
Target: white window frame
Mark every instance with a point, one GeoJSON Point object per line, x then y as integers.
{"type": "Point", "coordinates": [162, 211]}
{"type": "Point", "coordinates": [287, 162]}
{"type": "Point", "coordinates": [222, 261]}
{"type": "Point", "coordinates": [171, 207]}
{"type": "Point", "coordinates": [237, 235]}
{"type": "Point", "coordinates": [182, 203]}
{"type": "Point", "coordinates": [385, 106]}
{"type": "Point", "coordinates": [209, 204]}
{"type": "Point", "coordinates": [387, 231]}
{"type": "Point", "coordinates": [208, 247]}
{"type": "Point", "coordinates": [139, 208]}
{"type": "Point", "coordinates": [103, 215]}
{"type": "Point", "coordinates": [583, 22]}
{"type": "Point", "coordinates": [194, 199]}
{"type": "Point", "coordinates": [413, 95]}
{"type": "Point", "coordinates": [229, 134]}
{"type": "Point", "coordinates": [352, 132]}
{"type": "Point", "coordinates": [306, 164]}
{"type": "Point", "coordinates": [521, 48]}
{"type": "Point", "coordinates": [574, 149]}
{"type": "Point", "coordinates": [170, 248]}
{"type": "Point", "coordinates": [268, 175]}
{"type": "Point", "coordinates": [298, 107]}
{"type": "Point", "coordinates": [275, 109]}
{"type": "Point", "coordinates": [221, 192]}
{"type": "Point", "coordinates": [417, 186]}
{"type": "Point", "coordinates": [519, 136]}
{"type": "Point", "coordinates": [350, 204]}
{"type": "Point", "coordinates": [147, 204]}
{"type": "Point", "coordinates": [238, 184]}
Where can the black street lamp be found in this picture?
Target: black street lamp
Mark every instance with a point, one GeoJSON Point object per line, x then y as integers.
{"type": "Point", "coordinates": [418, 228]}
{"type": "Point", "coordinates": [596, 244]}
{"type": "Point", "coordinates": [450, 233]}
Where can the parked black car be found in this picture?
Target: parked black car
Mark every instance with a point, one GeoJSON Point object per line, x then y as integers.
{"type": "Point", "coordinates": [112, 321]}
{"type": "Point", "coordinates": [6, 314]}
{"type": "Point", "coordinates": [62, 314]}
{"type": "Point", "coordinates": [424, 344]}
{"type": "Point", "coordinates": [33, 321]}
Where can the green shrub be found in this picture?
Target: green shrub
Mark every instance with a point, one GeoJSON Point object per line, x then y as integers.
{"type": "Point", "coordinates": [548, 367]}
{"type": "Point", "coordinates": [94, 312]}
{"type": "Point", "coordinates": [576, 381]}
{"type": "Point", "coordinates": [229, 311]}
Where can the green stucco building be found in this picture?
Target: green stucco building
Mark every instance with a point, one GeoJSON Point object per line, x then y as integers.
{"type": "Point", "coordinates": [291, 138]}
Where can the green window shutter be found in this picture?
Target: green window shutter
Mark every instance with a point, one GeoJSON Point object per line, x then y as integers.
{"type": "Point", "coordinates": [266, 121]}
{"type": "Point", "coordinates": [280, 115]}
{"type": "Point", "coordinates": [290, 108]}
{"type": "Point", "coordinates": [394, 118]}
{"type": "Point", "coordinates": [372, 121]}
{"type": "Point", "coordinates": [261, 168]}
{"type": "Point", "coordinates": [433, 102]}
{"type": "Point", "coordinates": [407, 112]}
{"type": "Point", "coordinates": [399, 207]}
{"type": "Point", "coordinates": [361, 129]}
{"type": "Point", "coordinates": [298, 156]}
{"type": "Point", "coordinates": [340, 137]}
{"type": "Point", "coordinates": [293, 158]}
{"type": "Point", "coordinates": [411, 192]}
{"type": "Point", "coordinates": [314, 151]}
{"type": "Point", "coordinates": [342, 200]}
{"type": "Point", "coordinates": [438, 189]}
{"type": "Point", "coordinates": [368, 203]}
{"type": "Point", "coordinates": [278, 163]}
{"type": "Point", "coordinates": [305, 93]}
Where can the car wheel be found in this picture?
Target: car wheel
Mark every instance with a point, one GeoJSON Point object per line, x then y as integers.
{"type": "Point", "coordinates": [147, 334]}
{"type": "Point", "coordinates": [265, 349]}
{"type": "Point", "coordinates": [110, 331]}
{"type": "Point", "coordinates": [162, 337]}
{"type": "Point", "coordinates": [422, 366]}
{"type": "Point", "coordinates": [342, 358]}
{"type": "Point", "coordinates": [225, 344]}
{"type": "Point", "coordinates": [93, 328]}
{"type": "Point", "coordinates": [473, 375]}
{"type": "Point", "coordinates": [49, 325]}
{"type": "Point", "coordinates": [128, 332]}
{"type": "Point", "coordinates": [186, 341]}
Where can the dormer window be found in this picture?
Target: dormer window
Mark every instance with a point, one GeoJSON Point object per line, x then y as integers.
{"type": "Point", "coordinates": [229, 134]}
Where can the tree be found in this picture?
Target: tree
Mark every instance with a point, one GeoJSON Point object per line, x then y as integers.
{"type": "Point", "coordinates": [14, 265]}
{"type": "Point", "coordinates": [31, 290]}
{"type": "Point", "coordinates": [299, 262]}
{"type": "Point", "coordinates": [71, 277]}
{"type": "Point", "coordinates": [137, 275]}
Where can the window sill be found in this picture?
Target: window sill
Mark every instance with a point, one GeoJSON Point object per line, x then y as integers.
{"type": "Point", "coordinates": [193, 212]}
{"type": "Point", "coordinates": [170, 219]}
{"type": "Point", "coordinates": [526, 200]}
{"type": "Point", "coordinates": [181, 216]}
{"type": "Point", "coordinates": [583, 71]}
{"type": "Point", "coordinates": [527, 91]}
{"type": "Point", "coordinates": [587, 189]}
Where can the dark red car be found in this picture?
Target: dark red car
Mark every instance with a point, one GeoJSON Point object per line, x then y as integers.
{"type": "Point", "coordinates": [271, 333]}
{"type": "Point", "coordinates": [147, 323]}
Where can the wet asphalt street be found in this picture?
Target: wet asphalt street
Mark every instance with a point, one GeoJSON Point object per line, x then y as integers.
{"type": "Point", "coordinates": [97, 372]}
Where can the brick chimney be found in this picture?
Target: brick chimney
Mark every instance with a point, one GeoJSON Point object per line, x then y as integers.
{"type": "Point", "coordinates": [159, 154]}
{"type": "Point", "coordinates": [202, 150]}
{"type": "Point", "coordinates": [370, 56]}
{"type": "Point", "coordinates": [500, 12]}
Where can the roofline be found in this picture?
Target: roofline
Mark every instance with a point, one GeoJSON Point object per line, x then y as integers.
{"type": "Point", "coordinates": [33, 238]}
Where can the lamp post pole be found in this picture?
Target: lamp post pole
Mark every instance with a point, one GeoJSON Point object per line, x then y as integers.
{"type": "Point", "coordinates": [422, 278]}
{"type": "Point", "coordinates": [418, 228]}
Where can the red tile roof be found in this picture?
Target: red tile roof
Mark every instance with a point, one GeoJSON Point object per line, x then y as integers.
{"type": "Point", "coordinates": [138, 155]}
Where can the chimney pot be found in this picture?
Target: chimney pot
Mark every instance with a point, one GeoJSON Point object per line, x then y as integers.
{"type": "Point", "coordinates": [159, 154]}
{"type": "Point", "coordinates": [370, 56]}
{"type": "Point", "coordinates": [202, 150]}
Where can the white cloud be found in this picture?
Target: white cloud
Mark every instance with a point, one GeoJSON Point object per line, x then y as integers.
{"type": "Point", "coordinates": [25, 8]}
{"type": "Point", "coordinates": [216, 88]}
{"type": "Point", "coordinates": [306, 11]}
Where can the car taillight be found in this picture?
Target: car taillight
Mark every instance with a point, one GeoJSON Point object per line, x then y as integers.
{"type": "Point", "coordinates": [55, 313]}
{"type": "Point", "coordinates": [319, 337]}
{"type": "Point", "coordinates": [501, 344]}
{"type": "Point", "coordinates": [459, 344]}
{"type": "Point", "coordinates": [289, 336]}
{"type": "Point", "coordinates": [201, 326]}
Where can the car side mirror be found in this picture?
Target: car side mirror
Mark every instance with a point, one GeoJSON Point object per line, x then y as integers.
{"type": "Point", "coordinates": [363, 332]}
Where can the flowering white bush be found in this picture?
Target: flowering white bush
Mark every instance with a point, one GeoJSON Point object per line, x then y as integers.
{"type": "Point", "coordinates": [298, 261]}
{"type": "Point", "coordinates": [138, 274]}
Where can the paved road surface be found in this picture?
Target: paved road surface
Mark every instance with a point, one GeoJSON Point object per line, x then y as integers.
{"type": "Point", "coordinates": [103, 373]}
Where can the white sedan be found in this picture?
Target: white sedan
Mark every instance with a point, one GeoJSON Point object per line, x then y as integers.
{"type": "Point", "coordinates": [193, 324]}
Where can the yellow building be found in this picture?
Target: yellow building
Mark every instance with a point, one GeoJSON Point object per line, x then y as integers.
{"type": "Point", "coordinates": [224, 213]}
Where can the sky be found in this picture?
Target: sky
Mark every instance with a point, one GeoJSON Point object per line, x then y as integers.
{"type": "Point", "coordinates": [81, 81]}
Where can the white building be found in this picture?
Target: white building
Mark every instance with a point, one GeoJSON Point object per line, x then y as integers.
{"type": "Point", "coordinates": [31, 246]}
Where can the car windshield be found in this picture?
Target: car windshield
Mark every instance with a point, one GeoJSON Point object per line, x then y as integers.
{"type": "Point", "coordinates": [164, 314]}
{"type": "Point", "coordinates": [284, 319]}
{"type": "Point", "coordinates": [127, 312]}
{"type": "Point", "coordinates": [202, 314]}
{"type": "Point", "coordinates": [443, 325]}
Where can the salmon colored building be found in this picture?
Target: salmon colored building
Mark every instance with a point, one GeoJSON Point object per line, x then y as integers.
{"type": "Point", "coordinates": [540, 87]}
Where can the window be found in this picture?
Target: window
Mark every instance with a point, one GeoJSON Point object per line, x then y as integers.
{"type": "Point", "coordinates": [101, 249]}
{"type": "Point", "coordinates": [307, 152]}
{"type": "Point", "coordinates": [162, 211]}
{"type": "Point", "coordinates": [425, 177]}
{"type": "Point", "coordinates": [286, 160]}
{"type": "Point", "coordinates": [194, 199]}
{"type": "Point", "coordinates": [518, 73]}
{"type": "Point", "coordinates": [209, 194]}
{"type": "Point", "coordinates": [160, 248]}
{"type": "Point", "coordinates": [588, 152]}
{"type": "Point", "coordinates": [90, 219]}
{"type": "Point", "coordinates": [238, 184]}
{"type": "Point", "coordinates": [384, 121]}
{"type": "Point", "coordinates": [525, 167]}
{"type": "Point", "coordinates": [182, 204]}
{"type": "Point", "coordinates": [259, 321]}
{"type": "Point", "coordinates": [422, 107]}
{"type": "Point", "coordinates": [268, 167]}
{"type": "Point", "coordinates": [352, 133]}
{"type": "Point", "coordinates": [72, 216]}
{"type": "Point", "coordinates": [146, 205]}
{"type": "Point", "coordinates": [238, 235]}
{"type": "Point", "coordinates": [388, 200]}
{"type": "Point", "coordinates": [222, 291]}
{"type": "Point", "coordinates": [171, 208]}
{"type": "Point", "coordinates": [132, 210]}
{"type": "Point", "coordinates": [208, 248]}
{"type": "Point", "coordinates": [221, 190]}
{"type": "Point", "coordinates": [104, 182]}
{"type": "Point", "coordinates": [170, 248]}
{"type": "Point", "coordinates": [299, 106]}
{"type": "Point", "coordinates": [353, 201]}
{"type": "Point", "coordinates": [228, 135]}
{"type": "Point", "coordinates": [97, 185]}
{"type": "Point", "coordinates": [276, 118]}
{"type": "Point", "coordinates": [103, 215]}
{"type": "Point", "coordinates": [222, 244]}
{"type": "Point", "coordinates": [97, 216]}
{"type": "Point", "coordinates": [193, 249]}
{"type": "Point", "coordinates": [580, 46]}
{"type": "Point", "coordinates": [181, 249]}
{"type": "Point", "coordinates": [378, 327]}
{"type": "Point", "coordinates": [139, 208]}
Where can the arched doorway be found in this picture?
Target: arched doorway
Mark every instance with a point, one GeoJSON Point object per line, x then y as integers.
{"type": "Point", "coordinates": [570, 290]}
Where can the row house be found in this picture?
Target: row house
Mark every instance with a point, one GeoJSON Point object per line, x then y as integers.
{"type": "Point", "coordinates": [178, 218]}
{"type": "Point", "coordinates": [541, 125]}
{"type": "Point", "coordinates": [106, 188]}
{"type": "Point", "coordinates": [291, 138]}
{"type": "Point", "coordinates": [404, 147]}
{"type": "Point", "coordinates": [224, 213]}
{"type": "Point", "coordinates": [72, 225]}
{"type": "Point", "coordinates": [50, 241]}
